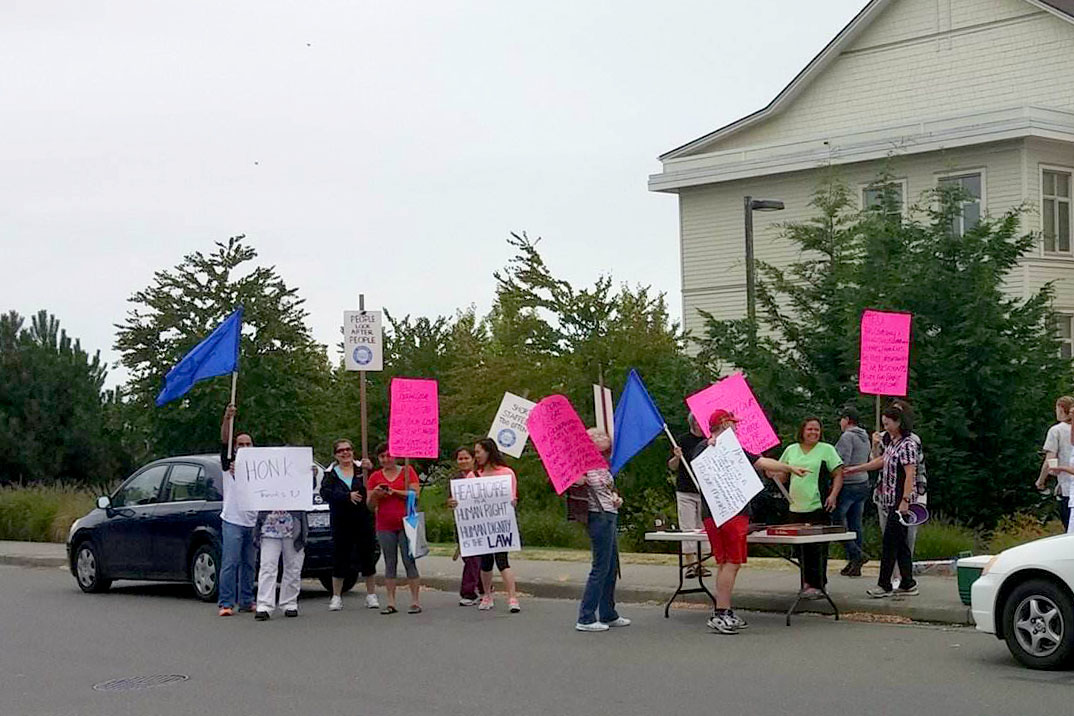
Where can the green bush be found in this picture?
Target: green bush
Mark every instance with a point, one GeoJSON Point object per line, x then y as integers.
{"type": "Point", "coordinates": [943, 539]}
{"type": "Point", "coordinates": [1021, 528]}
{"type": "Point", "coordinates": [40, 513]}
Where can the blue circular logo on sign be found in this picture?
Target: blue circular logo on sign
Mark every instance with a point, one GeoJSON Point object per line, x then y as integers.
{"type": "Point", "coordinates": [362, 355]}
{"type": "Point", "coordinates": [506, 437]}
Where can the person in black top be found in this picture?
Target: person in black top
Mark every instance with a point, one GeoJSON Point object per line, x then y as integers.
{"type": "Point", "coordinates": [353, 539]}
{"type": "Point", "coordinates": [687, 499]}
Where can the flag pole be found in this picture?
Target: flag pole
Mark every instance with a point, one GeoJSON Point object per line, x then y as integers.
{"type": "Point", "coordinates": [231, 420]}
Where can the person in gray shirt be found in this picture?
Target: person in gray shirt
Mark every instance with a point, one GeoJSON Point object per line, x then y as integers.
{"type": "Point", "coordinates": [853, 447]}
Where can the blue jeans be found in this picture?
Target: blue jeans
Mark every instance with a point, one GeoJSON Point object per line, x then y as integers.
{"type": "Point", "coordinates": [599, 594]}
{"type": "Point", "coordinates": [236, 565]}
{"type": "Point", "coordinates": [848, 513]}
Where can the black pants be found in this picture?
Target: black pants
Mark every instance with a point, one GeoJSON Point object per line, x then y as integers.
{"type": "Point", "coordinates": [1064, 511]}
{"type": "Point", "coordinates": [354, 548]}
{"type": "Point", "coordinates": [813, 557]}
{"type": "Point", "coordinates": [896, 548]}
{"type": "Point", "coordinates": [497, 558]}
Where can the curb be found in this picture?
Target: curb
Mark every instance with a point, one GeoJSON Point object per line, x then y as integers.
{"type": "Point", "coordinates": [757, 601]}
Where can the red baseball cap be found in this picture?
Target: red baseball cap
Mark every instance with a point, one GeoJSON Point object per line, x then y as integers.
{"type": "Point", "coordinates": [719, 416]}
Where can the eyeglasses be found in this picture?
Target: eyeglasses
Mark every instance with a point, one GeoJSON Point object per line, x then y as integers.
{"type": "Point", "coordinates": [343, 450]}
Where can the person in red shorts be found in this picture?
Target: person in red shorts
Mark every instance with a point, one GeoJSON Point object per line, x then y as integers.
{"type": "Point", "coordinates": [729, 539]}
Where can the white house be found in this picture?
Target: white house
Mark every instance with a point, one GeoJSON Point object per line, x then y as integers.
{"type": "Point", "coordinates": [975, 91]}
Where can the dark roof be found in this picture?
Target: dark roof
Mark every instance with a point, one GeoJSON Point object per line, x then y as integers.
{"type": "Point", "coordinates": [1064, 6]}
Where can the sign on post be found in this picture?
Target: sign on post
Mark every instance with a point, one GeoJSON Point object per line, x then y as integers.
{"type": "Point", "coordinates": [727, 479]}
{"type": "Point", "coordinates": [509, 427]}
{"type": "Point", "coordinates": [273, 478]}
{"type": "Point", "coordinates": [363, 344]}
{"type": "Point", "coordinates": [604, 408]}
{"type": "Point", "coordinates": [414, 420]}
{"type": "Point", "coordinates": [485, 518]}
{"type": "Point", "coordinates": [733, 394]}
{"type": "Point", "coordinates": [885, 352]}
{"type": "Point", "coordinates": [562, 442]}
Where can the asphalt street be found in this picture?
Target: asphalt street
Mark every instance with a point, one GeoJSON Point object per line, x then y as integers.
{"type": "Point", "coordinates": [56, 644]}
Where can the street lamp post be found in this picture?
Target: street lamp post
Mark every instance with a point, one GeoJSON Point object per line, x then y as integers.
{"type": "Point", "coordinates": [751, 205]}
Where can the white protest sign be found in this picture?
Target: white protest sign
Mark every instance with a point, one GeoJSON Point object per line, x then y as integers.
{"type": "Point", "coordinates": [604, 411]}
{"type": "Point", "coordinates": [274, 478]}
{"type": "Point", "coordinates": [485, 517]}
{"type": "Point", "coordinates": [363, 344]}
{"type": "Point", "coordinates": [727, 479]}
{"type": "Point", "coordinates": [509, 427]}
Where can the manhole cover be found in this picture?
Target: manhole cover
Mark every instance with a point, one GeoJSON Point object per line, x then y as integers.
{"type": "Point", "coordinates": [134, 683]}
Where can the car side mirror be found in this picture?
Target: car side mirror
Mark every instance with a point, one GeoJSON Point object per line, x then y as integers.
{"type": "Point", "coordinates": [104, 502]}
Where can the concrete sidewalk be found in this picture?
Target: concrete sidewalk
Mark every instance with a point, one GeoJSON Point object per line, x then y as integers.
{"type": "Point", "coordinates": [761, 585]}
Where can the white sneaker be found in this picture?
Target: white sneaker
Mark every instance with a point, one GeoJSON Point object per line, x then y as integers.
{"type": "Point", "coordinates": [620, 622]}
{"type": "Point", "coordinates": [371, 601]}
{"type": "Point", "coordinates": [595, 626]}
{"type": "Point", "coordinates": [467, 602]}
{"type": "Point", "coordinates": [486, 604]}
{"type": "Point", "coordinates": [335, 604]}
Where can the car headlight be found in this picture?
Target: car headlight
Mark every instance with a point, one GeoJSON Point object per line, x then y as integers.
{"type": "Point", "coordinates": [988, 567]}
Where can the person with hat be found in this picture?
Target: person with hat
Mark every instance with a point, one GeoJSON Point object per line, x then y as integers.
{"type": "Point", "coordinates": [729, 539]}
{"type": "Point", "coordinates": [687, 499]}
{"type": "Point", "coordinates": [853, 448]}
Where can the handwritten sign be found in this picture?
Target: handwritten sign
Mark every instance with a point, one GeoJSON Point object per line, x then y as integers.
{"type": "Point", "coordinates": [414, 420]}
{"type": "Point", "coordinates": [733, 394]}
{"type": "Point", "coordinates": [561, 441]}
{"type": "Point", "coordinates": [273, 478]}
{"type": "Point", "coordinates": [885, 353]}
{"type": "Point", "coordinates": [363, 344]}
{"type": "Point", "coordinates": [509, 428]}
{"type": "Point", "coordinates": [485, 518]}
{"type": "Point", "coordinates": [726, 477]}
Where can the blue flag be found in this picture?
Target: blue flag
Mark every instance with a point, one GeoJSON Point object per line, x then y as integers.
{"type": "Point", "coordinates": [637, 422]}
{"type": "Point", "coordinates": [216, 355]}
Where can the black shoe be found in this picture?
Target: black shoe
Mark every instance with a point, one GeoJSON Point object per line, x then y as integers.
{"type": "Point", "coordinates": [854, 570]}
{"type": "Point", "coordinates": [845, 571]}
{"type": "Point", "coordinates": [261, 616]}
{"type": "Point", "coordinates": [291, 613]}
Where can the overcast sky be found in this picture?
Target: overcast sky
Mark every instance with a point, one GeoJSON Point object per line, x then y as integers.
{"type": "Point", "coordinates": [377, 147]}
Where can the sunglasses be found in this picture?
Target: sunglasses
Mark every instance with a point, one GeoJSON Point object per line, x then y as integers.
{"type": "Point", "coordinates": [343, 450]}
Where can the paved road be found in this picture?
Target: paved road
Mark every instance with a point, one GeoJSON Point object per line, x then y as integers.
{"type": "Point", "coordinates": [56, 643]}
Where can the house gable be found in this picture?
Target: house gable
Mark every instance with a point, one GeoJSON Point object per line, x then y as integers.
{"type": "Point", "coordinates": [906, 60]}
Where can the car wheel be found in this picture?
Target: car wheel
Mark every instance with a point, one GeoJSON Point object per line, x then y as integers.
{"type": "Point", "coordinates": [348, 582]}
{"type": "Point", "coordinates": [88, 569]}
{"type": "Point", "coordinates": [205, 572]}
{"type": "Point", "coordinates": [1038, 624]}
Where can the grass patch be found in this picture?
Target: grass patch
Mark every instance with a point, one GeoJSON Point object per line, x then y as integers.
{"type": "Point", "coordinates": [42, 513]}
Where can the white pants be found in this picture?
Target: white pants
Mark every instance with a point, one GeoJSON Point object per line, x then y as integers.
{"type": "Point", "coordinates": [689, 507]}
{"type": "Point", "coordinates": [291, 583]}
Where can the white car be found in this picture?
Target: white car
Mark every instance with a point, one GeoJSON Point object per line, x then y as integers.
{"type": "Point", "coordinates": [1025, 596]}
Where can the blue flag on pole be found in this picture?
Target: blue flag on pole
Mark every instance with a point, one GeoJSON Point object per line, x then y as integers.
{"type": "Point", "coordinates": [217, 355]}
{"type": "Point", "coordinates": [637, 422]}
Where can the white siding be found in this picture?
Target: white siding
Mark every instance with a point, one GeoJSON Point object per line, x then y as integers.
{"type": "Point", "coordinates": [713, 246]}
{"type": "Point", "coordinates": [1042, 269]}
{"type": "Point", "coordinates": [1000, 54]}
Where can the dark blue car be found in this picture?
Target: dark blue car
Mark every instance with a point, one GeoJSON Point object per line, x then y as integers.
{"type": "Point", "coordinates": [163, 524]}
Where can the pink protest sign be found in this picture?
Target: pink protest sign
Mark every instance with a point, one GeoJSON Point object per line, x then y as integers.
{"type": "Point", "coordinates": [561, 440]}
{"type": "Point", "coordinates": [885, 353]}
{"type": "Point", "coordinates": [733, 394]}
{"type": "Point", "coordinates": [414, 420]}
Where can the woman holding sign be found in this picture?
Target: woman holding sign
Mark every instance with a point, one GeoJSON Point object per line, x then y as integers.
{"type": "Point", "coordinates": [471, 571]}
{"type": "Point", "coordinates": [387, 488]}
{"type": "Point", "coordinates": [352, 525]}
{"type": "Point", "coordinates": [811, 500]}
{"type": "Point", "coordinates": [489, 461]}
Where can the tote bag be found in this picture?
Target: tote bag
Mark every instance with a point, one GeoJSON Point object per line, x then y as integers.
{"type": "Point", "coordinates": [414, 527]}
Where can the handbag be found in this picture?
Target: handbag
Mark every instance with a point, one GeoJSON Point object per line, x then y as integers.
{"type": "Point", "coordinates": [414, 527]}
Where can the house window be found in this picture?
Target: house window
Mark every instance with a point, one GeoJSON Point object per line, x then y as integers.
{"type": "Point", "coordinates": [1055, 210]}
{"type": "Point", "coordinates": [1065, 334]}
{"type": "Point", "coordinates": [968, 186]}
{"type": "Point", "coordinates": [873, 197]}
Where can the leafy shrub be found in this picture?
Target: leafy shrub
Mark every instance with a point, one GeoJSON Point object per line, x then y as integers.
{"type": "Point", "coordinates": [1020, 528]}
{"type": "Point", "coordinates": [943, 539]}
{"type": "Point", "coordinates": [41, 513]}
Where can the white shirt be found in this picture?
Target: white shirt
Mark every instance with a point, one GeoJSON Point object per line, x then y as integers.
{"type": "Point", "coordinates": [231, 512]}
{"type": "Point", "coordinates": [1058, 443]}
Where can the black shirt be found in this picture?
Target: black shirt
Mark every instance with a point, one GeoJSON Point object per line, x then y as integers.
{"type": "Point", "coordinates": [688, 442]}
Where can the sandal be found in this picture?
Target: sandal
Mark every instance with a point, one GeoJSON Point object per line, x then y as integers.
{"type": "Point", "coordinates": [389, 610]}
{"type": "Point", "coordinates": [414, 609]}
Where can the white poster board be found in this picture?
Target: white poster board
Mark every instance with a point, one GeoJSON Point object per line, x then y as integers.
{"type": "Point", "coordinates": [485, 518]}
{"type": "Point", "coordinates": [727, 479]}
{"type": "Point", "coordinates": [608, 425]}
{"type": "Point", "coordinates": [363, 341]}
{"type": "Point", "coordinates": [509, 427]}
{"type": "Point", "coordinates": [274, 478]}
